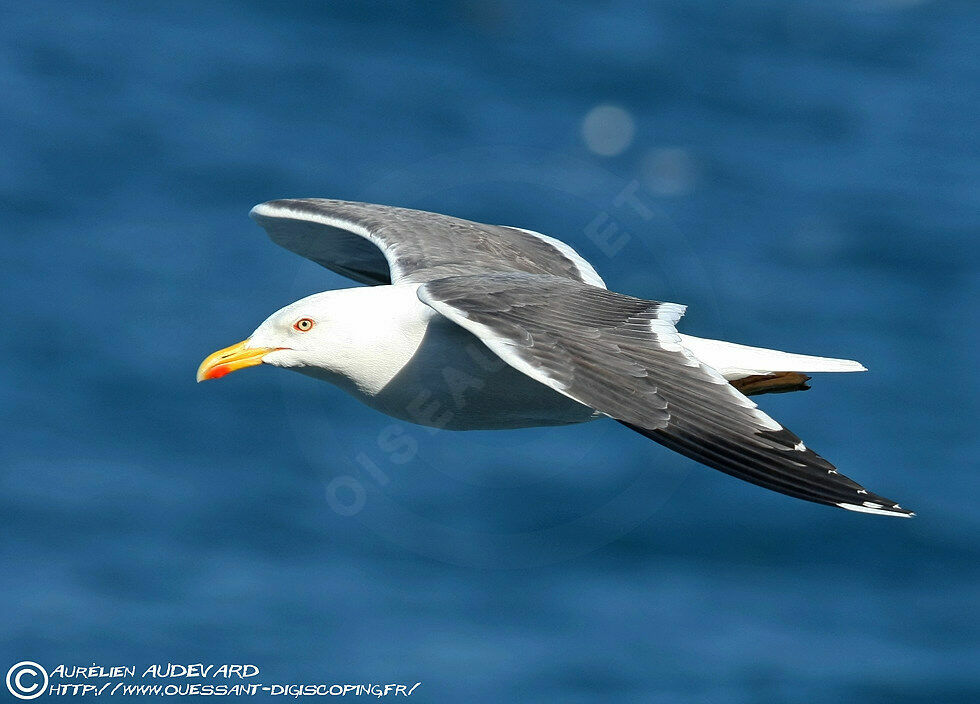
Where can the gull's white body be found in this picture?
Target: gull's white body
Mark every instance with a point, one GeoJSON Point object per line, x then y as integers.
{"type": "Point", "coordinates": [397, 355]}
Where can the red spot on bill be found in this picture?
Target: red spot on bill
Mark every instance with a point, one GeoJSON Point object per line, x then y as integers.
{"type": "Point", "coordinates": [218, 371]}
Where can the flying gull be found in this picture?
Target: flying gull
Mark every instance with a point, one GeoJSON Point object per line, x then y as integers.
{"type": "Point", "coordinates": [472, 326]}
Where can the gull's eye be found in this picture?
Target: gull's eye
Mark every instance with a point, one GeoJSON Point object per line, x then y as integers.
{"type": "Point", "coordinates": [303, 324]}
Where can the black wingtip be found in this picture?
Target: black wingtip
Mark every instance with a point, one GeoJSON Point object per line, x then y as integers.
{"type": "Point", "coordinates": [786, 466]}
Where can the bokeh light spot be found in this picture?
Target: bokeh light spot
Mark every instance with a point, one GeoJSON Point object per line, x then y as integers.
{"type": "Point", "coordinates": [669, 172]}
{"type": "Point", "coordinates": [608, 130]}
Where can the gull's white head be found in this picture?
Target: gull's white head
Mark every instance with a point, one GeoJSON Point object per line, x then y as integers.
{"type": "Point", "coordinates": [323, 334]}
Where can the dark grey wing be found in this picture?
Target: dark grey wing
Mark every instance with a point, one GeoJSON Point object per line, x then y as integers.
{"type": "Point", "coordinates": [380, 244]}
{"type": "Point", "coordinates": [623, 357]}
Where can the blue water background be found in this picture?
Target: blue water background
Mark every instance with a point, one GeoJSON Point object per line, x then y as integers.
{"type": "Point", "coordinates": [809, 180]}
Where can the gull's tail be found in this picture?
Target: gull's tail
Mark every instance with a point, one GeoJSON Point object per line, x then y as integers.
{"type": "Point", "coordinates": [757, 370]}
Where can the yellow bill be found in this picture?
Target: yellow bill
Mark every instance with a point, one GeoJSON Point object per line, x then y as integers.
{"type": "Point", "coordinates": [231, 359]}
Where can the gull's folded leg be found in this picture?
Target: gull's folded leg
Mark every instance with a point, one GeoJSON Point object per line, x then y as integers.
{"type": "Point", "coordinates": [775, 383]}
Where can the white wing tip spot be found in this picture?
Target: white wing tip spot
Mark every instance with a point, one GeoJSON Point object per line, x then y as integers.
{"type": "Point", "coordinates": [800, 447]}
{"type": "Point", "coordinates": [260, 210]}
{"type": "Point", "coordinates": [868, 508]}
